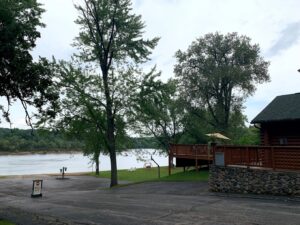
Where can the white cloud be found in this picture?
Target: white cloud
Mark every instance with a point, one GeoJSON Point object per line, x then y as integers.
{"type": "Point", "coordinates": [60, 29]}
{"type": "Point", "coordinates": [285, 80]}
{"type": "Point", "coordinates": [288, 37]}
{"type": "Point", "coordinates": [17, 115]}
{"type": "Point", "coordinates": [179, 22]}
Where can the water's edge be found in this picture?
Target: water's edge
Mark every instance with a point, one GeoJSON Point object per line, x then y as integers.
{"type": "Point", "coordinates": [31, 164]}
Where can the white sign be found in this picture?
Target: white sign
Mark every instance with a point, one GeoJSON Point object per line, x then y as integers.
{"type": "Point", "coordinates": [37, 188]}
{"type": "Point", "coordinates": [220, 160]}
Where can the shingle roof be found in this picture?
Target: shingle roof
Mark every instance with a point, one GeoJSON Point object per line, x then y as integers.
{"type": "Point", "coordinates": [284, 107]}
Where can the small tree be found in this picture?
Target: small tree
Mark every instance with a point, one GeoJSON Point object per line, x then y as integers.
{"type": "Point", "coordinates": [218, 72]}
{"type": "Point", "coordinates": [158, 111]}
{"type": "Point", "coordinates": [90, 135]}
{"type": "Point", "coordinates": [111, 38]}
{"type": "Point", "coordinates": [20, 77]}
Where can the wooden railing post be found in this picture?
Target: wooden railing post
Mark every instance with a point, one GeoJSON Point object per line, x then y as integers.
{"type": "Point", "coordinates": [212, 151]}
{"type": "Point", "coordinates": [226, 156]}
{"type": "Point", "coordinates": [196, 158]}
{"type": "Point", "coordinates": [273, 158]}
{"type": "Point", "coordinates": [248, 157]}
{"type": "Point", "coordinates": [258, 158]}
{"type": "Point", "coordinates": [207, 150]}
{"type": "Point", "coordinates": [241, 155]}
{"type": "Point", "coordinates": [170, 158]}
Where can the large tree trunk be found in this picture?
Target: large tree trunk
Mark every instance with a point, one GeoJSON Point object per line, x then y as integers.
{"type": "Point", "coordinates": [97, 163]}
{"type": "Point", "coordinates": [112, 152]}
{"type": "Point", "coordinates": [110, 131]}
{"type": "Point", "coordinates": [114, 171]}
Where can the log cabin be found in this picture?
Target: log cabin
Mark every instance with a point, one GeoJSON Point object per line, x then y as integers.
{"type": "Point", "coordinates": [279, 122]}
{"type": "Point", "coordinates": [279, 125]}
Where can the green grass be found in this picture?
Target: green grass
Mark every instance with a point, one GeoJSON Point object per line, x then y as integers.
{"type": "Point", "coordinates": [192, 175]}
{"type": "Point", "coordinates": [5, 222]}
{"type": "Point", "coordinates": [145, 174]}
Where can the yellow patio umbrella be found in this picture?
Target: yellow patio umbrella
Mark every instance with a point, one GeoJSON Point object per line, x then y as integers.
{"type": "Point", "coordinates": [218, 136]}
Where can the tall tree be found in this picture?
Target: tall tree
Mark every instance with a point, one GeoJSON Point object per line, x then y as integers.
{"type": "Point", "coordinates": [20, 77]}
{"type": "Point", "coordinates": [218, 72]}
{"type": "Point", "coordinates": [111, 37]}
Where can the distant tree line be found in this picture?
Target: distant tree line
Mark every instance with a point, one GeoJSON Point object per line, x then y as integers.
{"type": "Point", "coordinates": [18, 140]}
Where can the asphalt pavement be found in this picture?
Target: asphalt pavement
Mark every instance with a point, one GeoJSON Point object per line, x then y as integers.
{"type": "Point", "coordinates": [88, 200]}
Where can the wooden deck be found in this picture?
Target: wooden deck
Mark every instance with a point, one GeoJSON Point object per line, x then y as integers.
{"type": "Point", "coordinates": [191, 151]}
{"type": "Point", "coordinates": [274, 157]}
{"type": "Point", "coordinates": [188, 155]}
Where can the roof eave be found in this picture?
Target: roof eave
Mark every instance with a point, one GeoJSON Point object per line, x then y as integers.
{"type": "Point", "coordinates": [278, 120]}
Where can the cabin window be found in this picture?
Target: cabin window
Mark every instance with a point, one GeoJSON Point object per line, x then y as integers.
{"type": "Point", "coordinates": [283, 141]}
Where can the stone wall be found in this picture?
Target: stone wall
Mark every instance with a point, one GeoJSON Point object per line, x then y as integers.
{"type": "Point", "coordinates": [250, 180]}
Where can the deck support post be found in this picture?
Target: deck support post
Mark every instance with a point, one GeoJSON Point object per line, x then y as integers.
{"type": "Point", "coordinates": [170, 163]}
{"type": "Point", "coordinates": [196, 162]}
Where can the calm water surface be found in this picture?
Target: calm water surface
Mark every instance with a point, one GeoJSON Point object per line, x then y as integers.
{"type": "Point", "coordinates": [76, 162]}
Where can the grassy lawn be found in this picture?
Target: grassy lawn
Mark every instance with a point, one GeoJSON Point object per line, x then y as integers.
{"type": "Point", "coordinates": [145, 174]}
{"type": "Point", "coordinates": [191, 175]}
{"type": "Point", "coordinates": [5, 222]}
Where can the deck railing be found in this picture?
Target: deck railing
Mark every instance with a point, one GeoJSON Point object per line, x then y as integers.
{"type": "Point", "coordinates": [275, 157]}
{"type": "Point", "coordinates": [191, 151]}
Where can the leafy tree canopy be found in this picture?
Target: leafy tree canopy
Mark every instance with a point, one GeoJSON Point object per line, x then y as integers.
{"type": "Point", "coordinates": [111, 32]}
{"type": "Point", "coordinates": [157, 110]}
{"type": "Point", "coordinates": [20, 77]}
{"type": "Point", "coordinates": [217, 73]}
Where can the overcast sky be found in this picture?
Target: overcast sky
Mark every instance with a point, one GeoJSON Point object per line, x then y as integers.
{"type": "Point", "coordinates": [273, 24]}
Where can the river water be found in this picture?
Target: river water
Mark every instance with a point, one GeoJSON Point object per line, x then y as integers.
{"type": "Point", "coordinates": [75, 162]}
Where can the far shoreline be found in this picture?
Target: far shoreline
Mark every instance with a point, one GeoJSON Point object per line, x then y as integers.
{"type": "Point", "coordinates": [45, 152]}
{"type": "Point", "coordinates": [40, 152]}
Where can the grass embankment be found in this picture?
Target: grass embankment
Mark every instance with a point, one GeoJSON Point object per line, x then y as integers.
{"type": "Point", "coordinates": [5, 222]}
{"type": "Point", "coordinates": [151, 174]}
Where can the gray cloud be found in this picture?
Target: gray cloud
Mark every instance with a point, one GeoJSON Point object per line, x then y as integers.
{"type": "Point", "coordinates": [288, 36]}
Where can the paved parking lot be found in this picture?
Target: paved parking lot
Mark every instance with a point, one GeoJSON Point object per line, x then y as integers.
{"type": "Point", "coordinates": [87, 200]}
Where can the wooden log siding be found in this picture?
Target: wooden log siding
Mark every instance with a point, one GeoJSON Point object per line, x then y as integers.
{"type": "Point", "coordinates": [272, 133]}
{"type": "Point", "coordinates": [274, 157]}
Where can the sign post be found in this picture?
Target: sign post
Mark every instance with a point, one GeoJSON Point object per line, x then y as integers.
{"type": "Point", "coordinates": [37, 186]}
{"type": "Point", "coordinates": [62, 171]}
